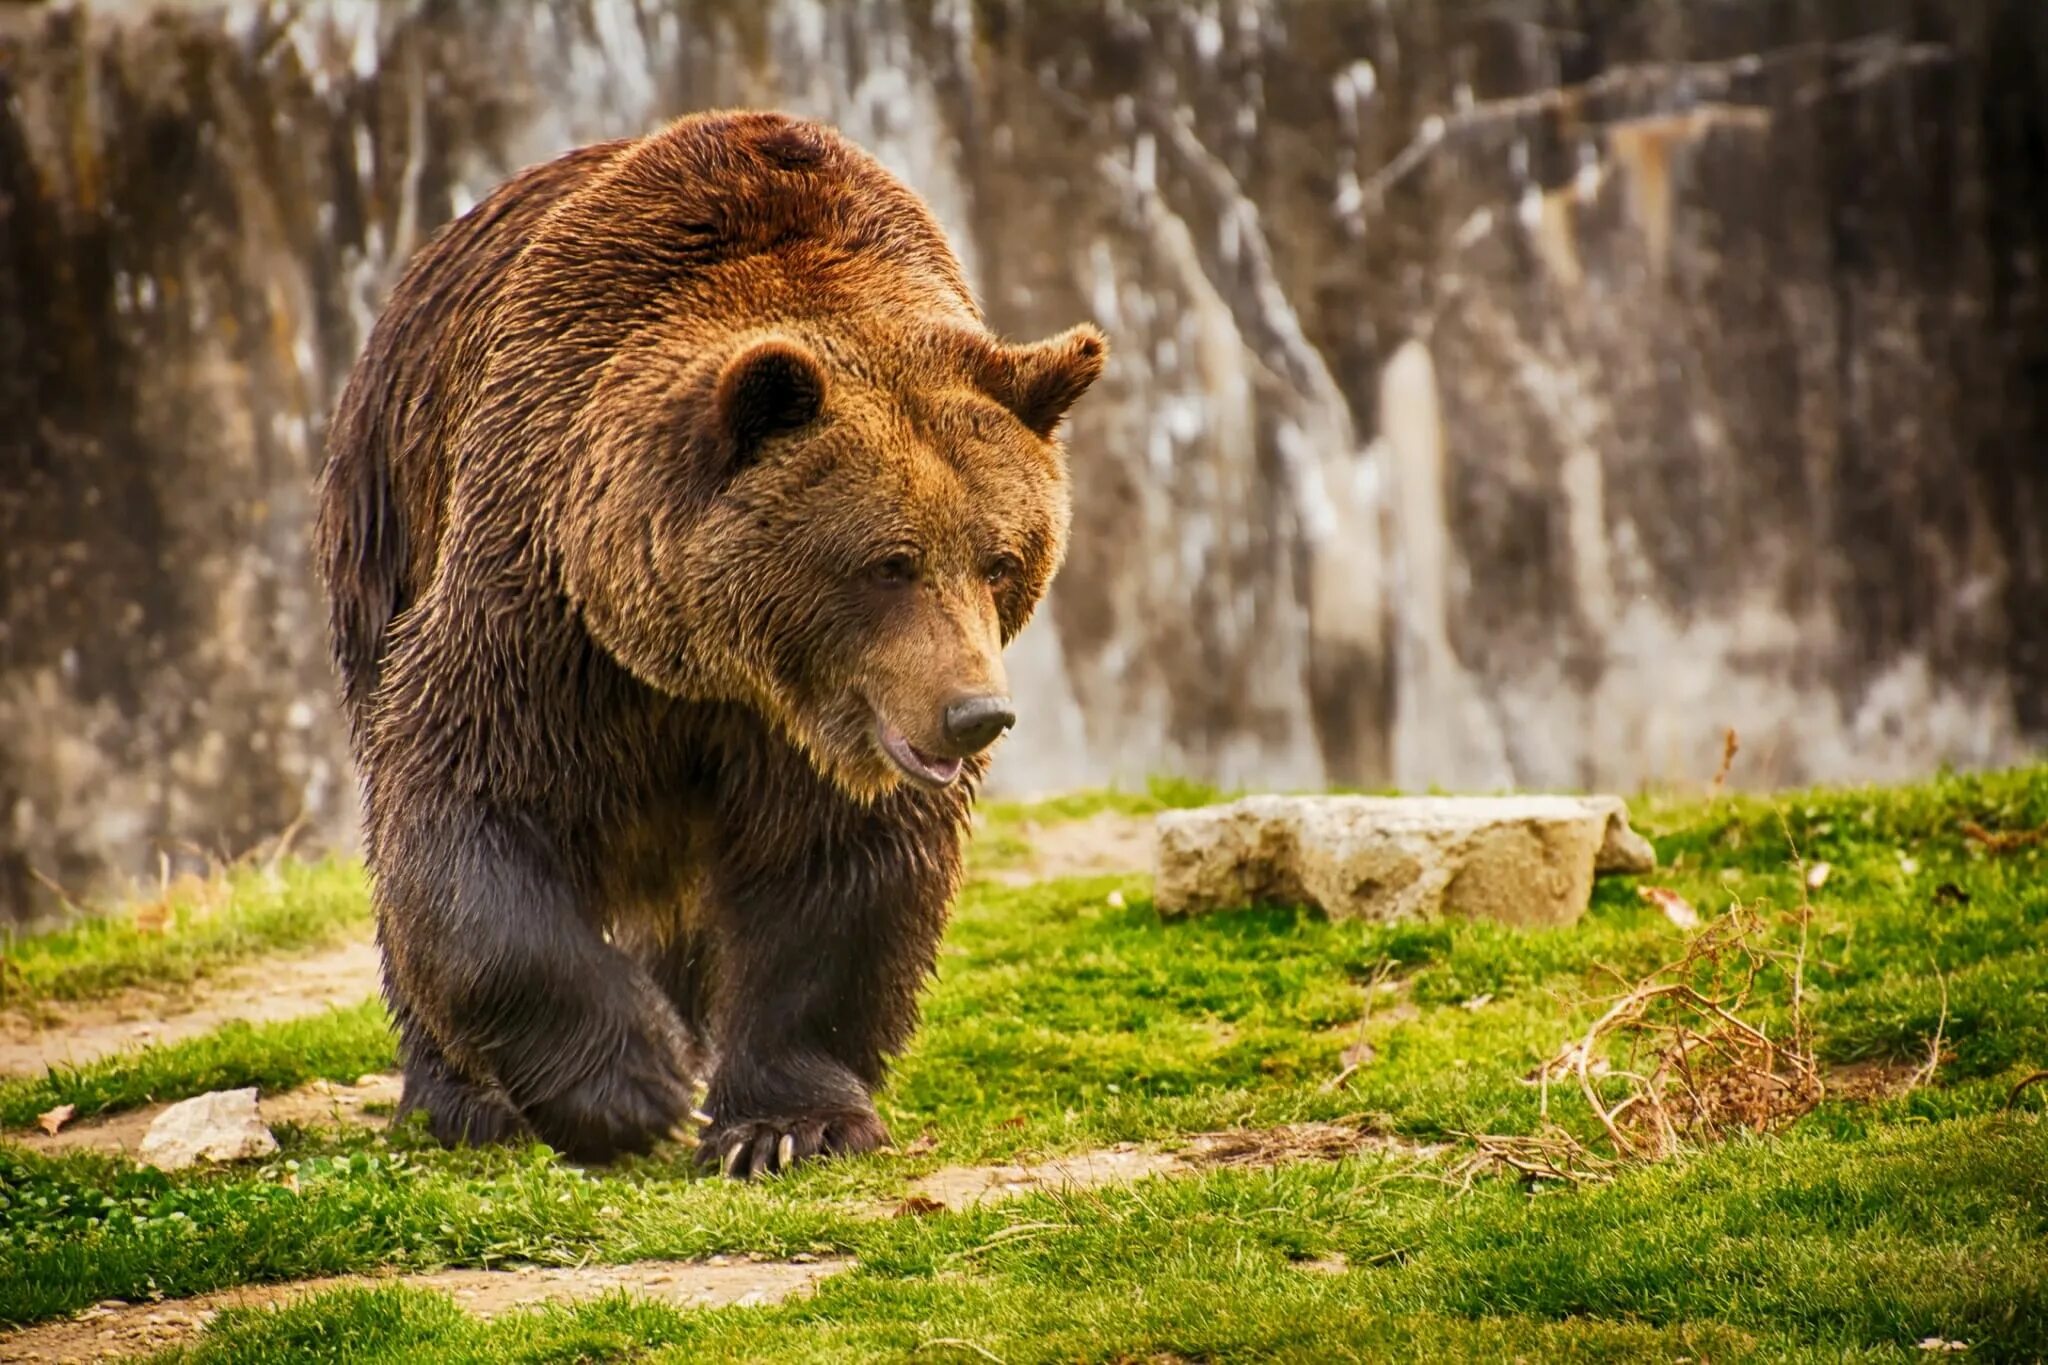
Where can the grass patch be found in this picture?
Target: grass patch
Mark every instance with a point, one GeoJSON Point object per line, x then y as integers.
{"type": "Point", "coordinates": [1792, 1249]}
{"type": "Point", "coordinates": [1067, 1015]}
{"type": "Point", "coordinates": [338, 1045]}
{"type": "Point", "coordinates": [197, 926]}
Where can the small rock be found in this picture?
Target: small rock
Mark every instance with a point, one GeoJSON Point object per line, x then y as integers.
{"type": "Point", "coordinates": [1623, 852]}
{"type": "Point", "coordinates": [1527, 860]}
{"type": "Point", "coordinates": [220, 1126]}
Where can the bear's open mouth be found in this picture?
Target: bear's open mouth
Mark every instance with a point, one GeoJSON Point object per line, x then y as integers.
{"type": "Point", "coordinates": [916, 764]}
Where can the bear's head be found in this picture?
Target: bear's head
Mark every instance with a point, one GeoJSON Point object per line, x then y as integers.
{"type": "Point", "coordinates": [842, 527]}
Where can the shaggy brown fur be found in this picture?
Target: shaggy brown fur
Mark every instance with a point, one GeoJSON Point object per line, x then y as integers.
{"type": "Point", "coordinates": [673, 523]}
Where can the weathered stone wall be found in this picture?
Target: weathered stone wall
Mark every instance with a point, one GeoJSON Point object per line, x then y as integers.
{"type": "Point", "coordinates": [1506, 391]}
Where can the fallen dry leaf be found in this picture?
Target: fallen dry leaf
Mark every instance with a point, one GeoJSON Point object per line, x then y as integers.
{"type": "Point", "coordinates": [50, 1120]}
{"type": "Point", "coordinates": [1476, 1003]}
{"type": "Point", "coordinates": [1676, 908]}
{"type": "Point", "coordinates": [925, 1143]}
{"type": "Point", "coordinates": [917, 1205]}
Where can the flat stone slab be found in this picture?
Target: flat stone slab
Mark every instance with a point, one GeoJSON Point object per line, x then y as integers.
{"type": "Point", "coordinates": [1521, 860]}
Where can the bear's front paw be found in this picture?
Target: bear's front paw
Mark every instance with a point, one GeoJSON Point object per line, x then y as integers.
{"type": "Point", "coordinates": [630, 1105]}
{"type": "Point", "coordinates": [766, 1146]}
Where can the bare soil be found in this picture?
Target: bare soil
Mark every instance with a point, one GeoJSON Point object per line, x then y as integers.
{"type": "Point", "coordinates": [321, 1104]}
{"type": "Point", "coordinates": [1872, 1080]}
{"type": "Point", "coordinates": [959, 1187]}
{"type": "Point", "coordinates": [1096, 846]}
{"type": "Point", "coordinates": [114, 1330]}
{"type": "Point", "coordinates": [264, 992]}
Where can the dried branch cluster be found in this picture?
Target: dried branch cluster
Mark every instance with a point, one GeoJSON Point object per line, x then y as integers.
{"type": "Point", "coordinates": [1678, 1059]}
{"type": "Point", "coordinates": [1674, 1060]}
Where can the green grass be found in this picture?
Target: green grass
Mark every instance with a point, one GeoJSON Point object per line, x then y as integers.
{"type": "Point", "coordinates": [1761, 1250]}
{"type": "Point", "coordinates": [338, 1045]}
{"type": "Point", "coordinates": [200, 926]}
{"type": "Point", "coordinates": [1062, 1020]}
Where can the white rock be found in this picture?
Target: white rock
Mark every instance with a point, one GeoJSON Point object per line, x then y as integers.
{"type": "Point", "coordinates": [1527, 860]}
{"type": "Point", "coordinates": [222, 1125]}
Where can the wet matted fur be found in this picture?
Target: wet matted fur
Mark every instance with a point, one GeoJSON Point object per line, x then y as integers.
{"type": "Point", "coordinates": [678, 494]}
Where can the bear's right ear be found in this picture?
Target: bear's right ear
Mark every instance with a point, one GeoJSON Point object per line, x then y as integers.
{"type": "Point", "coordinates": [769, 386]}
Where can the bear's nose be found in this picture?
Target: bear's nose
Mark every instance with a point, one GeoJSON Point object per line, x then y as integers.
{"type": "Point", "coordinates": [972, 723]}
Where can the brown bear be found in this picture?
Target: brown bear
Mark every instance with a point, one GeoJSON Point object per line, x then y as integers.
{"type": "Point", "coordinates": [673, 522]}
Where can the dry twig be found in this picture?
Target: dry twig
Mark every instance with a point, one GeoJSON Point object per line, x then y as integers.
{"type": "Point", "coordinates": [1360, 1052]}
{"type": "Point", "coordinates": [1692, 1067]}
{"type": "Point", "coordinates": [1552, 1155]}
{"type": "Point", "coordinates": [1926, 1072]}
{"type": "Point", "coordinates": [1995, 841]}
{"type": "Point", "coordinates": [2025, 1081]}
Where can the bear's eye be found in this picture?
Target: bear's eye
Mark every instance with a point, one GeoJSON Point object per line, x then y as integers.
{"type": "Point", "coordinates": [895, 570]}
{"type": "Point", "coordinates": [1001, 570]}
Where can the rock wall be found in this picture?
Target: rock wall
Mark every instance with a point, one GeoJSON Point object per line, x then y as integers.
{"type": "Point", "coordinates": [1507, 392]}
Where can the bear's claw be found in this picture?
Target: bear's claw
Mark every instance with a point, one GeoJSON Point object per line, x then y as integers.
{"type": "Point", "coordinates": [753, 1147]}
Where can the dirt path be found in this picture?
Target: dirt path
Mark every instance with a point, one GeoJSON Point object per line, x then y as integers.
{"type": "Point", "coordinates": [960, 1187]}
{"type": "Point", "coordinates": [1095, 846]}
{"type": "Point", "coordinates": [115, 1329]}
{"type": "Point", "coordinates": [262, 992]}
{"type": "Point", "coordinates": [321, 1104]}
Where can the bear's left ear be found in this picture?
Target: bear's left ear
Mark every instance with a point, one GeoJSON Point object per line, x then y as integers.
{"type": "Point", "coordinates": [1039, 382]}
{"type": "Point", "coordinates": [772, 385]}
